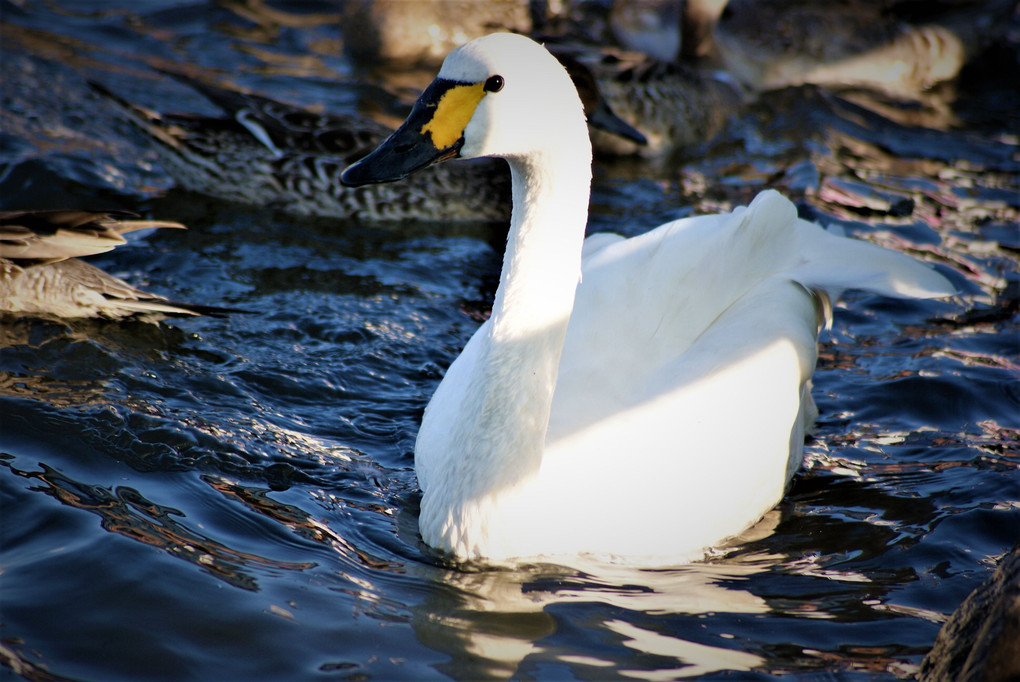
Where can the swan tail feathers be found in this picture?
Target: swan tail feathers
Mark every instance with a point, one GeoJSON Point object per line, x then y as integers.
{"type": "Point", "coordinates": [855, 264]}
{"type": "Point", "coordinates": [833, 263]}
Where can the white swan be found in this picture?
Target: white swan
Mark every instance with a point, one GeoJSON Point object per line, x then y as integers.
{"type": "Point", "coordinates": [643, 404]}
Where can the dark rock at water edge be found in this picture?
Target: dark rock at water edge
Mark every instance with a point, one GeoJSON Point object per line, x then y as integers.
{"type": "Point", "coordinates": [981, 640]}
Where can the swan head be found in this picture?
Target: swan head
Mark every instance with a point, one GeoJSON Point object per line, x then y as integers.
{"type": "Point", "coordinates": [500, 95]}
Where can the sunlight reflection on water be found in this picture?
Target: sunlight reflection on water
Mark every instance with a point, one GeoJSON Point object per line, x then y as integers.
{"type": "Point", "coordinates": [247, 484]}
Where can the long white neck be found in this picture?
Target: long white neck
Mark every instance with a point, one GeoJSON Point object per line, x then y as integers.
{"type": "Point", "coordinates": [542, 263]}
{"type": "Point", "coordinates": [515, 380]}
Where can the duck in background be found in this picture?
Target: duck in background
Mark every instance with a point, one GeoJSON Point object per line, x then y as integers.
{"type": "Point", "coordinates": [41, 274]}
{"type": "Point", "coordinates": [268, 153]}
{"type": "Point", "coordinates": [898, 47]}
{"type": "Point", "coordinates": [730, 53]}
{"type": "Point", "coordinates": [676, 107]}
{"type": "Point", "coordinates": [632, 48]}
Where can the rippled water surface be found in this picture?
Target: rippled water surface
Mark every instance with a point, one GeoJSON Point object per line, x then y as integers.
{"type": "Point", "coordinates": [234, 498]}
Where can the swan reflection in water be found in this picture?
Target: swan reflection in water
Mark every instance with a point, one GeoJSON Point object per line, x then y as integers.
{"type": "Point", "coordinates": [490, 621]}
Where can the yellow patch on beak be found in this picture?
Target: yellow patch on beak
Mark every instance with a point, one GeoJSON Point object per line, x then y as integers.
{"type": "Point", "coordinates": [455, 109]}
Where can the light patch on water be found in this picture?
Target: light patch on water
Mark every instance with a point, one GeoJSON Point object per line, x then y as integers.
{"type": "Point", "coordinates": [700, 659]}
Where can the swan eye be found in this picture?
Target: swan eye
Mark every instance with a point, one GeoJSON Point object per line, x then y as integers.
{"type": "Point", "coordinates": [494, 84]}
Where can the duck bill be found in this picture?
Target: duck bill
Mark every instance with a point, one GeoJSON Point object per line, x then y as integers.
{"type": "Point", "coordinates": [596, 109]}
{"type": "Point", "coordinates": [606, 119]}
{"type": "Point", "coordinates": [433, 132]}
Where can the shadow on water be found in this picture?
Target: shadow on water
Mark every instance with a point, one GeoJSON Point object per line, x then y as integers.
{"type": "Point", "coordinates": [234, 498]}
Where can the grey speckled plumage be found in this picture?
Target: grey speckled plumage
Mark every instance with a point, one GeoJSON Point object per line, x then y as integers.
{"type": "Point", "coordinates": [673, 105]}
{"type": "Point", "coordinates": [268, 153]}
{"type": "Point", "coordinates": [40, 273]}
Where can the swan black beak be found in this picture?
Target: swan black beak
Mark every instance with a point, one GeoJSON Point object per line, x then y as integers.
{"type": "Point", "coordinates": [433, 132]}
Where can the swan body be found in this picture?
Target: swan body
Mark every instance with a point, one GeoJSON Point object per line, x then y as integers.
{"type": "Point", "coordinates": [639, 399]}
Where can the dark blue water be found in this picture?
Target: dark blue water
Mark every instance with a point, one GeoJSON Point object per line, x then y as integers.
{"type": "Point", "coordinates": [213, 499]}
